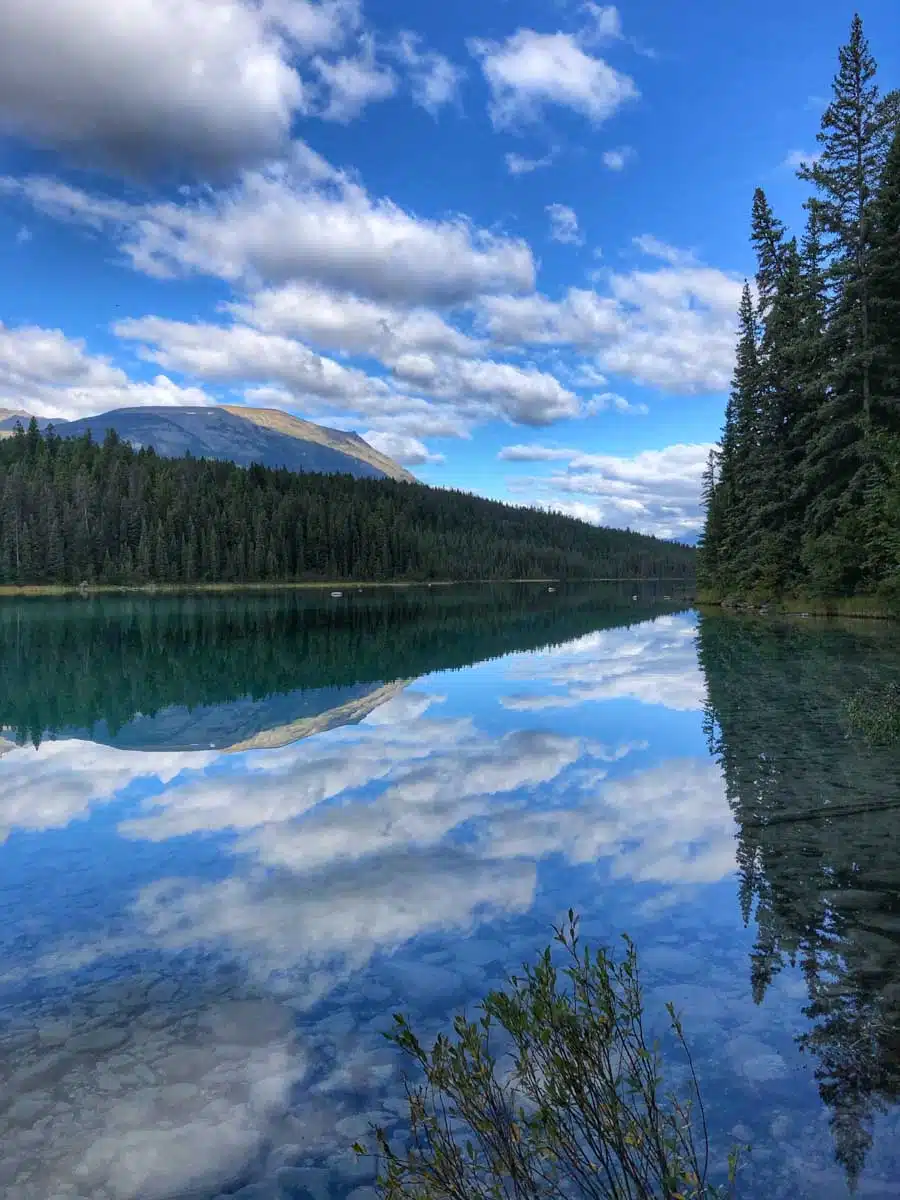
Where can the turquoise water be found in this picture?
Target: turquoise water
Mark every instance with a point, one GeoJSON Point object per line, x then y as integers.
{"type": "Point", "coordinates": [236, 834]}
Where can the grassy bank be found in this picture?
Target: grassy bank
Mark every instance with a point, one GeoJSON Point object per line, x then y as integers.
{"type": "Point", "coordinates": [55, 589]}
{"type": "Point", "coordinates": [870, 607]}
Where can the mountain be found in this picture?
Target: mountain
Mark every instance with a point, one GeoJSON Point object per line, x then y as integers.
{"type": "Point", "coordinates": [233, 433]}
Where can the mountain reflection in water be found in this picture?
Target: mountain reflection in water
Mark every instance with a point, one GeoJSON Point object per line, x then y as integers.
{"type": "Point", "coordinates": [236, 833]}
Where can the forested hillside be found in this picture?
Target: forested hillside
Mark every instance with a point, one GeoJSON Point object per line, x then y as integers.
{"type": "Point", "coordinates": [72, 510]}
{"type": "Point", "coordinates": [803, 494]}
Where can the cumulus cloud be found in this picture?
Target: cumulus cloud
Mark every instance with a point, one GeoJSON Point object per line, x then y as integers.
{"type": "Point", "coordinates": [654, 247]}
{"type": "Point", "coordinates": [619, 158]}
{"type": "Point", "coordinates": [402, 448]}
{"type": "Point", "coordinates": [353, 82]}
{"type": "Point", "coordinates": [564, 224]}
{"type": "Point", "coordinates": [522, 394]}
{"type": "Point", "coordinates": [350, 323]}
{"type": "Point", "coordinates": [434, 79]}
{"type": "Point", "coordinates": [209, 84]}
{"type": "Point", "coordinates": [237, 354]}
{"type": "Point", "coordinates": [519, 164]}
{"type": "Point", "coordinates": [671, 327]}
{"type": "Point", "coordinates": [530, 71]}
{"type": "Point", "coordinates": [45, 373]}
{"type": "Point", "coordinates": [300, 222]}
{"type": "Point", "coordinates": [536, 453]}
{"type": "Point", "coordinates": [654, 491]}
{"type": "Point", "coordinates": [612, 402]}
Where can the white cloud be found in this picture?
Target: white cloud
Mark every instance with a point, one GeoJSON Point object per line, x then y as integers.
{"type": "Point", "coordinates": [564, 224]}
{"type": "Point", "coordinates": [349, 323]}
{"type": "Point", "coordinates": [531, 70]}
{"type": "Point", "coordinates": [518, 164]}
{"type": "Point", "coordinates": [353, 82]}
{"type": "Point", "coordinates": [799, 158]}
{"type": "Point", "coordinates": [619, 158]}
{"type": "Point", "coordinates": [23, 235]}
{"type": "Point", "coordinates": [391, 412]}
{"type": "Point", "coordinates": [206, 83]}
{"type": "Point", "coordinates": [523, 394]}
{"type": "Point", "coordinates": [50, 375]}
{"type": "Point", "coordinates": [603, 23]}
{"type": "Point", "coordinates": [402, 448]}
{"type": "Point", "coordinates": [302, 221]}
{"type": "Point", "coordinates": [536, 453]}
{"type": "Point", "coordinates": [434, 79]}
{"type": "Point", "coordinates": [673, 327]}
{"type": "Point", "coordinates": [612, 402]}
{"type": "Point", "coordinates": [237, 354]}
{"type": "Point", "coordinates": [654, 491]}
{"type": "Point", "coordinates": [582, 318]}
{"type": "Point", "coordinates": [654, 247]}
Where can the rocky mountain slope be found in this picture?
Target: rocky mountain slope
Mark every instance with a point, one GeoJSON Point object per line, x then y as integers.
{"type": "Point", "coordinates": [236, 434]}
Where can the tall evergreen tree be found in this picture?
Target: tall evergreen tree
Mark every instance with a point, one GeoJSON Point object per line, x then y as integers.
{"type": "Point", "coordinates": [856, 132]}
{"type": "Point", "coordinates": [734, 489]}
{"type": "Point", "coordinates": [809, 483]}
{"type": "Point", "coordinates": [885, 293]}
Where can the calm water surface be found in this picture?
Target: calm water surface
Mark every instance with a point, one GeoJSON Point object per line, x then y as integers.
{"type": "Point", "coordinates": [237, 833]}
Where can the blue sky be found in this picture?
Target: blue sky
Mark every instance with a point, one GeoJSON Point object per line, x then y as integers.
{"type": "Point", "coordinates": [505, 242]}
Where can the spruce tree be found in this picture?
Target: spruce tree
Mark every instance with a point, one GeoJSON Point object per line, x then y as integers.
{"type": "Point", "coordinates": [739, 447]}
{"type": "Point", "coordinates": [856, 132]}
{"type": "Point", "coordinates": [885, 294]}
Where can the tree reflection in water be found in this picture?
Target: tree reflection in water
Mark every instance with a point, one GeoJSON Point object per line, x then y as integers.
{"type": "Point", "coordinates": [818, 815]}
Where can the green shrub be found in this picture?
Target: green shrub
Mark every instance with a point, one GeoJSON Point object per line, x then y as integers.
{"type": "Point", "coordinates": [576, 1106]}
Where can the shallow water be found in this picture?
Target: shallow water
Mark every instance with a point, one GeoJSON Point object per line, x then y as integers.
{"type": "Point", "coordinates": [238, 833]}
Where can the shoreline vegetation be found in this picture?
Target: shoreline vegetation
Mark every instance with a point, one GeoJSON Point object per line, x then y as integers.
{"type": "Point", "coordinates": [342, 585]}
{"type": "Point", "coordinates": [871, 608]}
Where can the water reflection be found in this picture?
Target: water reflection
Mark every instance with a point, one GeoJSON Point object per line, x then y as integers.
{"type": "Point", "coordinates": [818, 814]}
{"type": "Point", "coordinates": [200, 947]}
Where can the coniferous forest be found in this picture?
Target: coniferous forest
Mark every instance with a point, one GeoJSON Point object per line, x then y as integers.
{"type": "Point", "coordinates": [802, 495]}
{"type": "Point", "coordinates": [73, 511]}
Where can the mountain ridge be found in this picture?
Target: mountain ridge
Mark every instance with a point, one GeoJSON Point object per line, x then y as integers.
{"type": "Point", "coordinates": [232, 433]}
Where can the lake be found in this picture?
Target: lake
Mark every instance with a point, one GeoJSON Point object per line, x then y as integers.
{"type": "Point", "coordinates": [238, 832]}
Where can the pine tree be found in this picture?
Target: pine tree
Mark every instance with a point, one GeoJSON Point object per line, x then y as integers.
{"type": "Point", "coordinates": [810, 459]}
{"type": "Point", "coordinates": [767, 234]}
{"type": "Point", "coordinates": [885, 293]}
{"type": "Point", "coordinates": [739, 450]}
{"type": "Point", "coordinates": [856, 132]}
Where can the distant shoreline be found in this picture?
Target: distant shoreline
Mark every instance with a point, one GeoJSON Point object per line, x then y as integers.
{"type": "Point", "coordinates": [169, 589]}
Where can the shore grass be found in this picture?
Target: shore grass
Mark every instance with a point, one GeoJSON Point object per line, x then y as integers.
{"type": "Point", "coordinates": [856, 607]}
{"type": "Point", "coordinates": [151, 589]}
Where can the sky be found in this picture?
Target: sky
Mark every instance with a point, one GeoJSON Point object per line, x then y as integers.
{"type": "Point", "coordinates": [504, 242]}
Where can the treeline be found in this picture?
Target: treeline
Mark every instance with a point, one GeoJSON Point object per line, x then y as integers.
{"type": "Point", "coordinates": [72, 510]}
{"type": "Point", "coordinates": [90, 666]}
{"type": "Point", "coordinates": [803, 494]}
